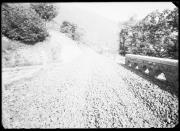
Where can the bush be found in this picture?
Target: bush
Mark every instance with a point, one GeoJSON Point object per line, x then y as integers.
{"type": "Point", "coordinates": [21, 23]}
{"type": "Point", "coordinates": [45, 11]}
{"type": "Point", "coordinates": [71, 30]}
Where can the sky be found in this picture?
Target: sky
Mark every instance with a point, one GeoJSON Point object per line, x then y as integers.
{"type": "Point", "coordinates": [121, 11]}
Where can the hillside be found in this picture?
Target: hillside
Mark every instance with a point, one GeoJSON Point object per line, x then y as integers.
{"type": "Point", "coordinates": [100, 34]}
{"type": "Point", "coordinates": [56, 48]}
{"type": "Point", "coordinates": [99, 31]}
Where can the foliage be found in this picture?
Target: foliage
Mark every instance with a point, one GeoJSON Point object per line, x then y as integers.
{"type": "Point", "coordinates": [21, 23]}
{"type": "Point", "coordinates": [155, 35]}
{"type": "Point", "coordinates": [71, 30]}
{"type": "Point", "coordinates": [46, 11]}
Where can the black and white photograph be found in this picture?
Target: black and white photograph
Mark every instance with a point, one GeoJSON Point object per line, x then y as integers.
{"type": "Point", "coordinates": [72, 65]}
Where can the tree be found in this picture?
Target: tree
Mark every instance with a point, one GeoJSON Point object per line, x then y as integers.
{"type": "Point", "coordinates": [21, 23]}
{"type": "Point", "coordinates": [46, 11]}
{"type": "Point", "coordinates": [155, 35]}
{"type": "Point", "coordinates": [123, 37]}
{"type": "Point", "coordinates": [71, 30]}
{"type": "Point", "coordinates": [173, 23]}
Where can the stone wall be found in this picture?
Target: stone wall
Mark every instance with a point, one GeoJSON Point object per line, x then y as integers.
{"type": "Point", "coordinates": [155, 66]}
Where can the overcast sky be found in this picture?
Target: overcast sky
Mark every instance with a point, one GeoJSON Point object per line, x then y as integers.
{"type": "Point", "coordinates": [121, 11]}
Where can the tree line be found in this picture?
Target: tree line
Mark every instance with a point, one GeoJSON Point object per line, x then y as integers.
{"type": "Point", "coordinates": [155, 35]}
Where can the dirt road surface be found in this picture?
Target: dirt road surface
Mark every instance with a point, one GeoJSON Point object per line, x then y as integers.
{"type": "Point", "coordinates": [91, 91]}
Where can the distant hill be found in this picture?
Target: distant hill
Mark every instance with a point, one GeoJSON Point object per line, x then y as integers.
{"type": "Point", "coordinates": [100, 31]}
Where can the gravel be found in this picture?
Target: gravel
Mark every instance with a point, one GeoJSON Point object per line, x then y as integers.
{"type": "Point", "coordinates": [91, 91]}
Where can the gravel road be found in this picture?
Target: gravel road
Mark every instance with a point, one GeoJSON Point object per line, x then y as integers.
{"type": "Point", "coordinates": [91, 91]}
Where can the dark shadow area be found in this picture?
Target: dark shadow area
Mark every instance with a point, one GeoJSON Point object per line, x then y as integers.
{"type": "Point", "coordinates": [164, 85]}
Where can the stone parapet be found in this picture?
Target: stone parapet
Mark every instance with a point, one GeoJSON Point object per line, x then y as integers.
{"type": "Point", "coordinates": [155, 66]}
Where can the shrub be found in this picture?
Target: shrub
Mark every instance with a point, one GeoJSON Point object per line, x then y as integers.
{"type": "Point", "coordinates": [71, 30]}
{"type": "Point", "coordinates": [45, 11]}
{"type": "Point", "coordinates": [21, 23]}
